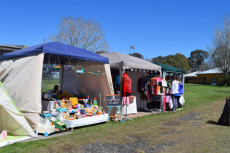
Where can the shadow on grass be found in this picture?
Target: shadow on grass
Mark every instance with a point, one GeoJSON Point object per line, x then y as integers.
{"type": "Point", "coordinates": [215, 123]}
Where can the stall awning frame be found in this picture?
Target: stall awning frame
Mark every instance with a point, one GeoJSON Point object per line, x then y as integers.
{"type": "Point", "coordinates": [56, 48]}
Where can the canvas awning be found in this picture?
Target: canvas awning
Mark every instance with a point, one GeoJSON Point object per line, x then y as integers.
{"type": "Point", "coordinates": [56, 48]}
{"type": "Point", "coordinates": [119, 60]}
{"type": "Point", "coordinates": [168, 68]}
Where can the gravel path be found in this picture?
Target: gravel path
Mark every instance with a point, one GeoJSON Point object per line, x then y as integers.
{"type": "Point", "coordinates": [189, 117]}
{"type": "Point", "coordinates": [139, 145]}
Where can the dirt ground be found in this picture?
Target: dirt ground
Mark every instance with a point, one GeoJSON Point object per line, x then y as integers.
{"type": "Point", "coordinates": [195, 131]}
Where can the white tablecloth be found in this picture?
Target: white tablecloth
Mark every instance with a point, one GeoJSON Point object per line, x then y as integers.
{"type": "Point", "coordinates": [131, 108]}
{"type": "Point", "coordinates": [86, 121]}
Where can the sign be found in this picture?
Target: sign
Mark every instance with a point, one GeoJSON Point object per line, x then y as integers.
{"type": "Point", "coordinates": [113, 100]}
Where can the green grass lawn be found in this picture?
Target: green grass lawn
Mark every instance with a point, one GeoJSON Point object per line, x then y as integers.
{"type": "Point", "coordinates": [48, 84]}
{"type": "Point", "coordinates": [177, 136]}
{"type": "Point", "coordinates": [198, 95]}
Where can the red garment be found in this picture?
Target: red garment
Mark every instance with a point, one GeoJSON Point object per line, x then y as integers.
{"type": "Point", "coordinates": [154, 85]}
{"type": "Point", "coordinates": [127, 83]}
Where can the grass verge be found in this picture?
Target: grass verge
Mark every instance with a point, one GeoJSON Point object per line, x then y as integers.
{"type": "Point", "coordinates": [166, 132]}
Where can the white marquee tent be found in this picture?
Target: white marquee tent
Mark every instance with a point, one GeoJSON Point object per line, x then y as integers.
{"type": "Point", "coordinates": [22, 75]}
{"type": "Point", "coordinates": [124, 62]}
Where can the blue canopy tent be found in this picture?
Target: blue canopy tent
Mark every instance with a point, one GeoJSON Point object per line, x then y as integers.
{"type": "Point", "coordinates": [23, 69]}
{"type": "Point", "coordinates": [56, 48]}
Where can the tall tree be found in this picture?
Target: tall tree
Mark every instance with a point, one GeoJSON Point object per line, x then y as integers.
{"type": "Point", "coordinates": [83, 33]}
{"type": "Point", "coordinates": [197, 58]}
{"type": "Point", "coordinates": [101, 52]}
{"type": "Point", "coordinates": [221, 51]}
{"type": "Point", "coordinates": [170, 60]}
{"type": "Point", "coordinates": [179, 61]}
{"type": "Point", "coordinates": [204, 67]}
{"type": "Point", "coordinates": [138, 55]}
{"type": "Point", "coordinates": [158, 59]}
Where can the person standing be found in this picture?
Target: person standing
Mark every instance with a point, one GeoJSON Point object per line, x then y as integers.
{"type": "Point", "coordinates": [175, 93]}
{"type": "Point", "coordinates": [180, 90]}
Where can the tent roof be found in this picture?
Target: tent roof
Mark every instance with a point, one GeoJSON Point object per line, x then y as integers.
{"type": "Point", "coordinates": [119, 60]}
{"type": "Point", "coordinates": [169, 68]}
{"type": "Point", "coordinates": [56, 48]}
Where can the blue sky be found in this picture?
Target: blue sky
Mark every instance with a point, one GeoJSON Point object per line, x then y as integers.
{"type": "Point", "coordinates": [154, 27]}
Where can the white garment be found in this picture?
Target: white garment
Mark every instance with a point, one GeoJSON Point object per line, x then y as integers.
{"type": "Point", "coordinates": [175, 87]}
{"type": "Point", "coordinates": [164, 83]}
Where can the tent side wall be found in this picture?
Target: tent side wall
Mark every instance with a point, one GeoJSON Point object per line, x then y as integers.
{"type": "Point", "coordinates": [15, 124]}
{"type": "Point", "coordinates": [22, 79]}
{"type": "Point", "coordinates": [89, 84]}
{"type": "Point", "coordinates": [135, 76]}
{"type": "Point", "coordinates": [11, 119]}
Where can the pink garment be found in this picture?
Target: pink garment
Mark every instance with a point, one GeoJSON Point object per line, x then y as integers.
{"type": "Point", "coordinates": [167, 99]}
{"type": "Point", "coordinates": [159, 80]}
{"type": "Point", "coordinates": [124, 101]}
{"type": "Point", "coordinates": [164, 102]}
{"type": "Point", "coordinates": [171, 103]}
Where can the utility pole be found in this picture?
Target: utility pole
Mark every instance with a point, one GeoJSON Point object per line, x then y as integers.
{"type": "Point", "coordinates": [131, 47]}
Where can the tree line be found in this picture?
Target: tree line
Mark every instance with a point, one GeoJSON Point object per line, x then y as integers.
{"type": "Point", "coordinates": [88, 34]}
{"type": "Point", "coordinates": [196, 61]}
{"type": "Point", "coordinates": [218, 55]}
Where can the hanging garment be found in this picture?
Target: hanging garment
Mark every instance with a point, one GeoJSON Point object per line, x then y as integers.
{"type": "Point", "coordinates": [168, 77]}
{"type": "Point", "coordinates": [168, 99]}
{"type": "Point", "coordinates": [147, 95]}
{"type": "Point", "coordinates": [141, 84]}
{"type": "Point", "coordinates": [154, 85]}
{"type": "Point", "coordinates": [148, 90]}
{"type": "Point", "coordinates": [167, 91]}
{"type": "Point", "coordinates": [164, 83]}
{"type": "Point", "coordinates": [159, 86]}
{"type": "Point", "coordinates": [171, 103]}
{"type": "Point", "coordinates": [127, 84]}
{"type": "Point", "coordinates": [117, 81]}
{"type": "Point", "coordinates": [126, 100]}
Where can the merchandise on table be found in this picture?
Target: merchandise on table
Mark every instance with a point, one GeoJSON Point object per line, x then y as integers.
{"type": "Point", "coordinates": [72, 108]}
{"type": "Point", "coordinates": [61, 126]}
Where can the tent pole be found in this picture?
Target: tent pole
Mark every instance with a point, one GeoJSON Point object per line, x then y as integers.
{"type": "Point", "coordinates": [62, 74]}
{"type": "Point", "coordinates": [183, 82]}
{"type": "Point", "coordinates": [126, 97]}
{"type": "Point", "coordinates": [121, 72]}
